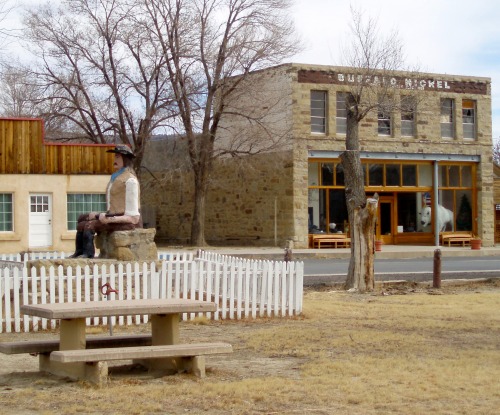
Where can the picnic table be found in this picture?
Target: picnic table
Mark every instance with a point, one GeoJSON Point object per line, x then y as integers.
{"type": "Point", "coordinates": [77, 357]}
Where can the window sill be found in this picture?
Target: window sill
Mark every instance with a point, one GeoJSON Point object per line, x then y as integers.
{"type": "Point", "coordinates": [69, 236]}
{"type": "Point", "coordinates": [9, 236]}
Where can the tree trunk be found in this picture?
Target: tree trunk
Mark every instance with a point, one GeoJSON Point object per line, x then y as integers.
{"type": "Point", "coordinates": [362, 212]}
{"type": "Point", "coordinates": [360, 275]}
{"type": "Point", "coordinates": [198, 223]}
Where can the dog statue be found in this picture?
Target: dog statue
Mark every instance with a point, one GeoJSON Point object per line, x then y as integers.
{"type": "Point", "coordinates": [444, 216]}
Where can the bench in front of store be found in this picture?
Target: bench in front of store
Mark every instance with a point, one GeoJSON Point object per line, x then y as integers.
{"type": "Point", "coordinates": [330, 240]}
{"type": "Point", "coordinates": [455, 238]}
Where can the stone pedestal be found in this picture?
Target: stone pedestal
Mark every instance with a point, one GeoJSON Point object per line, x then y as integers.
{"type": "Point", "coordinates": [135, 245]}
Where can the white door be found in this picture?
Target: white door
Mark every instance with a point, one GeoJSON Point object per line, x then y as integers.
{"type": "Point", "coordinates": [40, 233]}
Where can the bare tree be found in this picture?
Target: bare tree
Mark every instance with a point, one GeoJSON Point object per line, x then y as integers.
{"type": "Point", "coordinates": [100, 70]}
{"type": "Point", "coordinates": [496, 152]}
{"type": "Point", "coordinates": [21, 96]}
{"type": "Point", "coordinates": [17, 95]}
{"type": "Point", "coordinates": [373, 59]}
{"type": "Point", "coordinates": [5, 33]}
{"type": "Point", "coordinates": [210, 47]}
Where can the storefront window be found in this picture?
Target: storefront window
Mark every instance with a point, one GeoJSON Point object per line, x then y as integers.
{"type": "Point", "coordinates": [409, 175]}
{"type": "Point", "coordinates": [327, 211]}
{"type": "Point", "coordinates": [454, 176]}
{"type": "Point", "coordinates": [392, 175]}
{"type": "Point", "coordinates": [409, 210]}
{"type": "Point", "coordinates": [313, 174]}
{"type": "Point", "coordinates": [327, 174]}
{"type": "Point", "coordinates": [337, 218]}
{"type": "Point", "coordinates": [464, 210]}
{"type": "Point", "coordinates": [376, 174]}
{"type": "Point", "coordinates": [425, 175]}
{"type": "Point", "coordinates": [466, 176]}
{"type": "Point", "coordinates": [446, 210]}
{"type": "Point", "coordinates": [317, 210]}
{"type": "Point", "coordinates": [339, 173]}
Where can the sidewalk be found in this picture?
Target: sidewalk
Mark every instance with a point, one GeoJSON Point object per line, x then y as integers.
{"type": "Point", "coordinates": [388, 252]}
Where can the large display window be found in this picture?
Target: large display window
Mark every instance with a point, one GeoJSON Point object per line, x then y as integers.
{"type": "Point", "coordinates": [406, 198]}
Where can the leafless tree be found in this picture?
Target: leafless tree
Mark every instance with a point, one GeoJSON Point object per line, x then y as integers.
{"type": "Point", "coordinates": [21, 97]}
{"type": "Point", "coordinates": [100, 69]}
{"type": "Point", "coordinates": [17, 96]}
{"type": "Point", "coordinates": [210, 47]}
{"type": "Point", "coordinates": [496, 152]}
{"type": "Point", "coordinates": [5, 33]}
{"type": "Point", "coordinates": [373, 58]}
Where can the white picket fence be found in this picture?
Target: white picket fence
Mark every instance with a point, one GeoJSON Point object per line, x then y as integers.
{"type": "Point", "coordinates": [23, 257]}
{"type": "Point", "coordinates": [242, 288]}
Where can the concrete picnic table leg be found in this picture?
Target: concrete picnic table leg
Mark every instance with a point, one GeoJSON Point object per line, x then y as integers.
{"type": "Point", "coordinates": [72, 337]}
{"type": "Point", "coordinates": [165, 330]}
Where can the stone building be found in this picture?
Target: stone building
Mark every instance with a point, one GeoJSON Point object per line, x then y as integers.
{"type": "Point", "coordinates": [435, 151]}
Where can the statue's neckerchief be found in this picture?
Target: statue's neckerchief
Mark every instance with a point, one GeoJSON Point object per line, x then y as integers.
{"type": "Point", "coordinates": [116, 174]}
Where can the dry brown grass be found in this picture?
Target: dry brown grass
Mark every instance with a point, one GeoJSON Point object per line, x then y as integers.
{"type": "Point", "coordinates": [401, 351]}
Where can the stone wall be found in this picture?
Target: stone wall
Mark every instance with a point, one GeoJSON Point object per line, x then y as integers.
{"type": "Point", "coordinates": [250, 202]}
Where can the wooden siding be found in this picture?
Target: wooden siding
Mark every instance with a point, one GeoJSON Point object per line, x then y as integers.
{"type": "Point", "coordinates": [24, 151]}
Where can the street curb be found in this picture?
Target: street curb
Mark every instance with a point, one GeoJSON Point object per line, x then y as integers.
{"type": "Point", "coordinates": [415, 284]}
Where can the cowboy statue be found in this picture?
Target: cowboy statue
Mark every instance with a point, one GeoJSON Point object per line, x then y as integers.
{"type": "Point", "coordinates": [123, 205]}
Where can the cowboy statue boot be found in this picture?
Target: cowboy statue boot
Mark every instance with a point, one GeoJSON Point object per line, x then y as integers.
{"type": "Point", "coordinates": [88, 245]}
{"type": "Point", "coordinates": [78, 245]}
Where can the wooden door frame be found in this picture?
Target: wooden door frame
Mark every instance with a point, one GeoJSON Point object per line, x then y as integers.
{"type": "Point", "coordinates": [392, 200]}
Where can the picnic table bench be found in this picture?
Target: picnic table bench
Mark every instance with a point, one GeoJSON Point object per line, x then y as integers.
{"type": "Point", "coordinates": [93, 342]}
{"type": "Point", "coordinates": [77, 357]}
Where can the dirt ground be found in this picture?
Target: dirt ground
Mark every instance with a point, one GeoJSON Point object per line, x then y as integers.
{"type": "Point", "coordinates": [26, 391]}
{"type": "Point", "coordinates": [19, 372]}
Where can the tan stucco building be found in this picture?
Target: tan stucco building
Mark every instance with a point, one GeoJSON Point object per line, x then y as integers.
{"type": "Point", "coordinates": [435, 152]}
{"type": "Point", "coordinates": [44, 186]}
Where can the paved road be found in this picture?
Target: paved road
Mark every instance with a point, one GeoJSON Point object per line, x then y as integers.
{"type": "Point", "coordinates": [319, 271]}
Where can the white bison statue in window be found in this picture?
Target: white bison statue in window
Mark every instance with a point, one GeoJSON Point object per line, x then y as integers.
{"type": "Point", "coordinates": [444, 216]}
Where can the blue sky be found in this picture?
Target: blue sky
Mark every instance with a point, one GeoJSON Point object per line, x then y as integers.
{"type": "Point", "coordinates": [452, 37]}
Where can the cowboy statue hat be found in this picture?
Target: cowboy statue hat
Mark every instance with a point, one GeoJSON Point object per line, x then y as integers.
{"type": "Point", "coordinates": [123, 150]}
